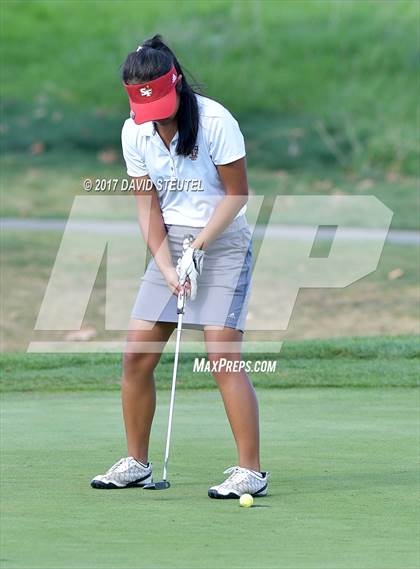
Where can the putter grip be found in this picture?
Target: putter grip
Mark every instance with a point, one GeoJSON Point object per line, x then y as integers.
{"type": "Point", "coordinates": [180, 303]}
{"type": "Point", "coordinates": [187, 240]}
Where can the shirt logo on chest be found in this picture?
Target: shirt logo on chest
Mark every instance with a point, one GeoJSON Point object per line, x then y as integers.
{"type": "Point", "coordinates": [146, 92]}
{"type": "Point", "coordinates": [194, 153]}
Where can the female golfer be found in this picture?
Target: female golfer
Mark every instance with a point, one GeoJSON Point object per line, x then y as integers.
{"type": "Point", "coordinates": [187, 157]}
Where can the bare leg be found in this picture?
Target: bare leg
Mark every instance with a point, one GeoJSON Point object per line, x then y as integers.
{"type": "Point", "coordinates": [238, 395]}
{"type": "Point", "coordinates": [138, 385]}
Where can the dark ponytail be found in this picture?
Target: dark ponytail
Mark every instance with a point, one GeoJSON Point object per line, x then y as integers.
{"type": "Point", "coordinates": [154, 59]}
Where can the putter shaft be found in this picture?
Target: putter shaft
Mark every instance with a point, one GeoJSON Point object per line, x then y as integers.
{"type": "Point", "coordinates": [180, 310]}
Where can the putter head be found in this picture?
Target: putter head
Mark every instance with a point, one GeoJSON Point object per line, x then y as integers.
{"type": "Point", "coordinates": [162, 485]}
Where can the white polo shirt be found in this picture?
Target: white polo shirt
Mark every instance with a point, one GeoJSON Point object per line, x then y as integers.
{"type": "Point", "coordinates": [189, 187]}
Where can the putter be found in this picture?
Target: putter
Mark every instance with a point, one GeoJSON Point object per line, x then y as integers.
{"type": "Point", "coordinates": [164, 483]}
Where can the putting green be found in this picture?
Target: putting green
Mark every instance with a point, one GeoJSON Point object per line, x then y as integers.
{"type": "Point", "coordinates": [342, 492]}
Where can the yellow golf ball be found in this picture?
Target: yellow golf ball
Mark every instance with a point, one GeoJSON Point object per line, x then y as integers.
{"type": "Point", "coordinates": [246, 501]}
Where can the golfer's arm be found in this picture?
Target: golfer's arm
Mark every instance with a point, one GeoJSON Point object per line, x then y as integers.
{"type": "Point", "coordinates": [234, 180]}
{"type": "Point", "coordinates": [151, 221]}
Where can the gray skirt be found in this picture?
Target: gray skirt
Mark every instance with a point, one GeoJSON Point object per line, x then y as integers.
{"type": "Point", "coordinates": [223, 286]}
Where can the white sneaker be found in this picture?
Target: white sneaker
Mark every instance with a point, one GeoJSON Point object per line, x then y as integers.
{"type": "Point", "coordinates": [125, 473]}
{"type": "Point", "coordinates": [241, 481]}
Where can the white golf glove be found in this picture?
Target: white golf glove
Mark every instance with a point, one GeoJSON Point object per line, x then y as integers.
{"type": "Point", "coordinates": [189, 267]}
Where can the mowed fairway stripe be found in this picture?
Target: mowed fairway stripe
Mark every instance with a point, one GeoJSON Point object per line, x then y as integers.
{"type": "Point", "coordinates": [342, 492]}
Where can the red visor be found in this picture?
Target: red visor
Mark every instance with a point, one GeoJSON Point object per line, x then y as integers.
{"type": "Point", "coordinates": [154, 100]}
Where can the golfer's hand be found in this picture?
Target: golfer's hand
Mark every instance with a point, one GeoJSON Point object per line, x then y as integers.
{"type": "Point", "coordinates": [172, 280]}
{"type": "Point", "coordinates": [189, 268]}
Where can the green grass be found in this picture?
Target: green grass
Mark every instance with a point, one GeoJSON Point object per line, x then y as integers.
{"type": "Point", "coordinates": [336, 81]}
{"type": "Point", "coordinates": [342, 493]}
{"type": "Point", "coordinates": [356, 362]}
